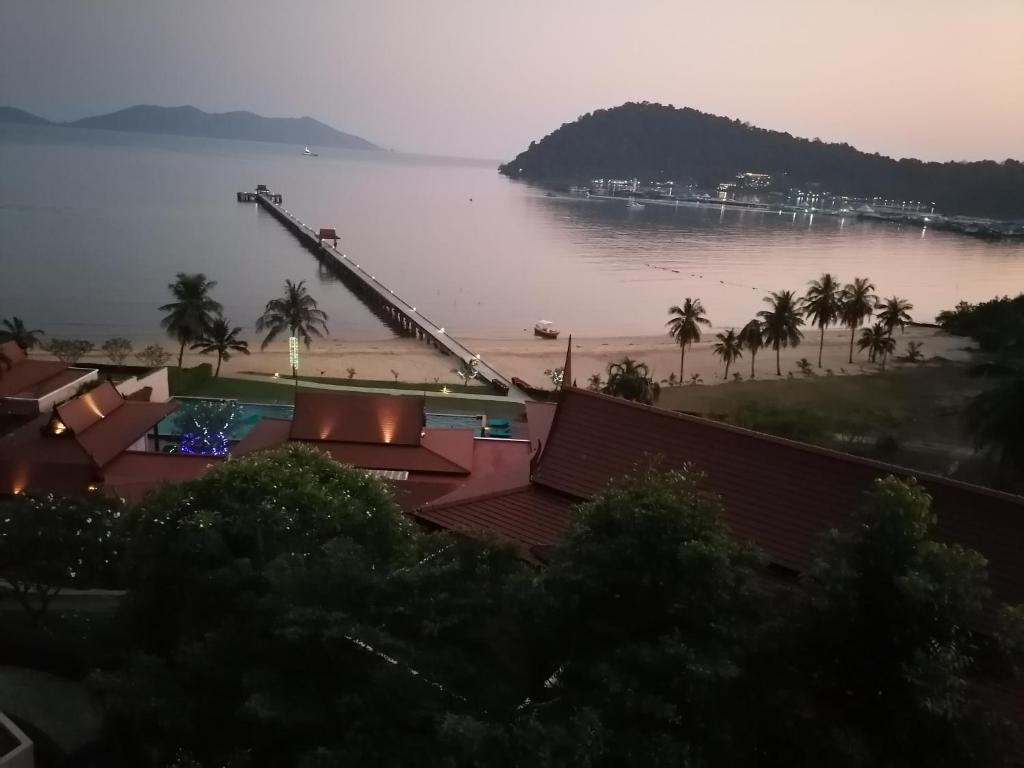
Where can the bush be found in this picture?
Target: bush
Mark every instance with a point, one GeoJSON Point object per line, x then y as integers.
{"type": "Point", "coordinates": [184, 381]}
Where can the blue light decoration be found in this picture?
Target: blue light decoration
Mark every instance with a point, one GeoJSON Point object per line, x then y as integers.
{"type": "Point", "coordinates": [206, 426]}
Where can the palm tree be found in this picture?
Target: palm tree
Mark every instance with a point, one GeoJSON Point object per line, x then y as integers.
{"type": "Point", "coordinates": [221, 338]}
{"type": "Point", "coordinates": [14, 330]}
{"type": "Point", "coordinates": [296, 312]}
{"type": "Point", "coordinates": [856, 304]}
{"type": "Point", "coordinates": [782, 323]}
{"type": "Point", "coordinates": [685, 325]}
{"type": "Point", "coordinates": [821, 304]}
{"type": "Point", "coordinates": [752, 337]}
{"type": "Point", "coordinates": [630, 380]}
{"type": "Point", "coordinates": [190, 315]}
{"type": "Point", "coordinates": [728, 347]}
{"type": "Point", "coordinates": [878, 341]}
{"type": "Point", "coordinates": [895, 311]}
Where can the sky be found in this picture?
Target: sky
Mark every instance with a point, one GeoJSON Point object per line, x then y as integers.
{"type": "Point", "coordinates": [936, 79]}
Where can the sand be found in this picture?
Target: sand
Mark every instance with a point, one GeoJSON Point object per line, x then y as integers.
{"type": "Point", "coordinates": [527, 357]}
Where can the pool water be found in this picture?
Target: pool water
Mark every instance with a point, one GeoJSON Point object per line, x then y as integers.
{"type": "Point", "coordinates": [253, 413]}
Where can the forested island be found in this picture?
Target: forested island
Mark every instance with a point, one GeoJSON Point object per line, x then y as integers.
{"type": "Point", "coordinates": [189, 121]}
{"type": "Point", "coordinates": [658, 142]}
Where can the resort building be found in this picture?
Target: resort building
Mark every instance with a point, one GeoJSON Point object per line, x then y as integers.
{"type": "Point", "coordinates": [29, 387]}
{"type": "Point", "coordinates": [99, 440]}
{"type": "Point", "coordinates": [388, 436]}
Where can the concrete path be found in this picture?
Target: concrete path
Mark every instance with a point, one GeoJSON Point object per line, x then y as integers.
{"type": "Point", "coordinates": [514, 395]}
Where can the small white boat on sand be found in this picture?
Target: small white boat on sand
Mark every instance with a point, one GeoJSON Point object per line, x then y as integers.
{"type": "Point", "coordinates": [307, 153]}
{"type": "Point", "coordinates": [545, 329]}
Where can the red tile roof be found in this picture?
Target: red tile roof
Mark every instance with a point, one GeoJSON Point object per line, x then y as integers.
{"type": "Point", "coordinates": [356, 418]}
{"type": "Point", "coordinates": [133, 473]}
{"type": "Point", "coordinates": [777, 493]}
{"type": "Point", "coordinates": [268, 433]}
{"type": "Point", "coordinates": [33, 379]}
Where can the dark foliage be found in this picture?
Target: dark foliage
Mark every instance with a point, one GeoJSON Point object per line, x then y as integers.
{"type": "Point", "coordinates": [997, 325]}
{"type": "Point", "coordinates": [653, 141]}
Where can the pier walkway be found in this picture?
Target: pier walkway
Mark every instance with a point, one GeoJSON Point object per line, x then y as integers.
{"type": "Point", "coordinates": [396, 311]}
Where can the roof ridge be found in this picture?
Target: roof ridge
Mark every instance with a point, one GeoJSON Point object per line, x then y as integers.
{"type": "Point", "coordinates": [475, 499]}
{"type": "Point", "coordinates": [806, 447]}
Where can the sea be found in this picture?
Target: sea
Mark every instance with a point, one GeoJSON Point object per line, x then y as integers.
{"type": "Point", "coordinates": [95, 224]}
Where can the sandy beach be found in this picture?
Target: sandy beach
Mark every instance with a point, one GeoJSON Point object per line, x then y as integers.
{"type": "Point", "coordinates": [528, 357]}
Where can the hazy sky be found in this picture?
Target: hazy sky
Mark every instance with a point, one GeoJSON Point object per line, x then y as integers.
{"type": "Point", "coordinates": [939, 79]}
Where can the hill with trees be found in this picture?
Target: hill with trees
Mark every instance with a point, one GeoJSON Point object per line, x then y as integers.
{"type": "Point", "coordinates": [656, 142]}
{"type": "Point", "coordinates": [21, 117]}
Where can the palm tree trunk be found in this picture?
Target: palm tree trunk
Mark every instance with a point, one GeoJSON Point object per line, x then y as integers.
{"type": "Point", "coordinates": [853, 330]}
{"type": "Point", "coordinates": [885, 354]}
{"type": "Point", "coordinates": [217, 372]}
{"type": "Point", "coordinates": [778, 367]}
{"type": "Point", "coordinates": [753, 356]}
{"type": "Point", "coordinates": [821, 345]}
{"type": "Point", "coordinates": [181, 353]}
{"type": "Point", "coordinates": [682, 360]}
{"type": "Point", "coordinates": [727, 364]}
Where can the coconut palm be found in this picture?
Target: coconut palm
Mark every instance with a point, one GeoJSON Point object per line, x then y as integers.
{"type": "Point", "coordinates": [877, 341]}
{"type": "Point", "coordinates": [821, 305]}
{"type": "Point", "coordinates": [781, 323]}
{"type": "Point", "coordinates": [190, 314]}
{"type": "Point", "coordinates": [728, 347]}
{"type": "Point", "coordinates": [297, 312]}
{"type": "Point", "coordinates": [856, 304]}
{"type": "Point", "coordinates": [895, 311]}
{"type": "Point", "coordinates": [14, 330]}
{"type": "Point", "coordinates": [685, 325]}
{"type": "Point", "coordinates": [752, 337]}
{"type": "Point", "coordinates": [222, 339]}
{"type": "Point", "coordinates": [631, 380]}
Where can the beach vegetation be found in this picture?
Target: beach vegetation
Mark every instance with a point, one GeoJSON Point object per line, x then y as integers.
{"type": "Point", "coordinates": [154, 356]}
{"type": "Point", "coordinates": [822, 304]}
{"type": "Point", "coordinates": [894, 312]}
{"type": "Point", "coordinates": [351, 372]}
{"type": "Point", "coordinates": [997, 325]}
{"type": "Point", "coordinates": [296, 312]}
{"type": "Point", "coordinates": [117, 350]}
{"type": "Point", "coordinates": [684, 326]}
{"type": "Point", "coordinates": [752, 339]}
{"type": "Point", "coordinates": [729, 348]}
{"type": "Point", "coordinates": [695, 379]}
{"type": "Point", "coordinates": [856, 305]}
{"type": "Point", "coordinates": [595, 382]}
{"type": "Point", "coordinates": [631, 380]}
{"type": "Point", "coordinates": [878, 342]}
{"type": "Point", "coordinates": [14, 329]}
{"type": "Point", "coordinates": [914, 353]}
{"type": "Point", "coordinates": [805, 367]}
{"type": "Point", "coordinates": [781, 323]}
{"type": "Point", "coordinates": [394, 374]}
{"type": "Point", "coordinates": [69, 351]}
{"type": "Point", "coordinates": [188, 317]}
{"type": "Point", "coordinates": [221, 339]}
{"type": "Point", "coordinates": [556, 376]}
{"type": "Point", "coordinates": [466, 370]}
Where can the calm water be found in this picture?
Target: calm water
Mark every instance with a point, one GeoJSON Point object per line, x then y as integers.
{"type": "Point", "coordinates": [93, 225]}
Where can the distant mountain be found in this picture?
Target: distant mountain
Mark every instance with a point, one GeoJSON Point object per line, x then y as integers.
{"type": "Point", "coordinates": [245, 126]}
{"type": "Point", "coordinates": [653, 142]}
{"type": "Point", "coordinates": [21, 117]}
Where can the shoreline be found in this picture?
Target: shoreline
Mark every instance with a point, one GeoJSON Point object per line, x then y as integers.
{"type": "Point", "coordinates": [528, 357]}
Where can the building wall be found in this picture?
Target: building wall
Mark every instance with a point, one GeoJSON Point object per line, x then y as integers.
{"type": "Point", "coordinates": [156, 379]}
{"type": "Point", "coordinates": [22, 756]}
{"type": "Point", "coordinates": [66, 392]}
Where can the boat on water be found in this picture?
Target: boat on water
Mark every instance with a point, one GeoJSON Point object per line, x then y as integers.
{"type": "Point", "coordinates": [545, 329]}
{"type": "Point", "coordinates": [307, 153]}
{"type": "Point", "coordinates": [634, 205]}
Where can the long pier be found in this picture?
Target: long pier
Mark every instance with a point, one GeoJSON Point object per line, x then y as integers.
{"type": "Point", "coordinates": [398, 313]}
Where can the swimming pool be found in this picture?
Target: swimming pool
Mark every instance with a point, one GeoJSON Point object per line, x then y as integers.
{"type": "Point", "coordinates": [253, 413]}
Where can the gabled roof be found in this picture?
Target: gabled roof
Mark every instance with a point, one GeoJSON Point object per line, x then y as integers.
{"type": "Point", "coordinates": [132, 473]}
{"type": "Point", "coordinates": [777, 493]}
{"type": "Point", "coordinates": [349, 417]}
{"type": "Point", "coordinates": [33, 379]}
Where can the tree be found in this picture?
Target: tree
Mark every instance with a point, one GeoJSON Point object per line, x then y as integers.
{"type": "Point", "coordinates": [466, 370]}
{"type": "Point", "coordinates": [684, 326]}
{"type": "Point", "coordinates": [220, 338]}
{"type": "Point", "coordinates": [630, 380]}
{"type": "Point", "coordinates": [652, 603]}
{"type": "Point", "coordinates": [897, 642]}
{"type": "Point", "coordinates": [189, 316]}
{"type": "Point", "coordinates": [49, 542]}
{"type": "Point", "coordinates": [556, 376]}
{"type": "Point", "coordinates": [296, 312]}
{"type": "Point", "coordinates": [894, 312]}
{"type": "Point", "coordinates": [856, 303]}
{"type": "Point", "coordinates": [594, 382]}
{"type": "Point", "coordinates": [117, 350]}
{"type": "Point", "coordinates": [995, 421]}
{"type": "Point", "coordinates": [781, 323]}
{"type": "Point", "coordinates": [155, 356]}
{"type": "Point", "coordinates": [822, 304]}
{"type": "Point", "coordinates": [13, 329]}
{"type": "Point", "coordinates": [878, 341]}
{"type": "Point", "coordinates": [69, 351]}
{"type": "Point", "coordinates": [752, 337]}
{"type": "Point", "coordinates": [914, 354]}
{"type": "Point", "coordinates": [728, 347]}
